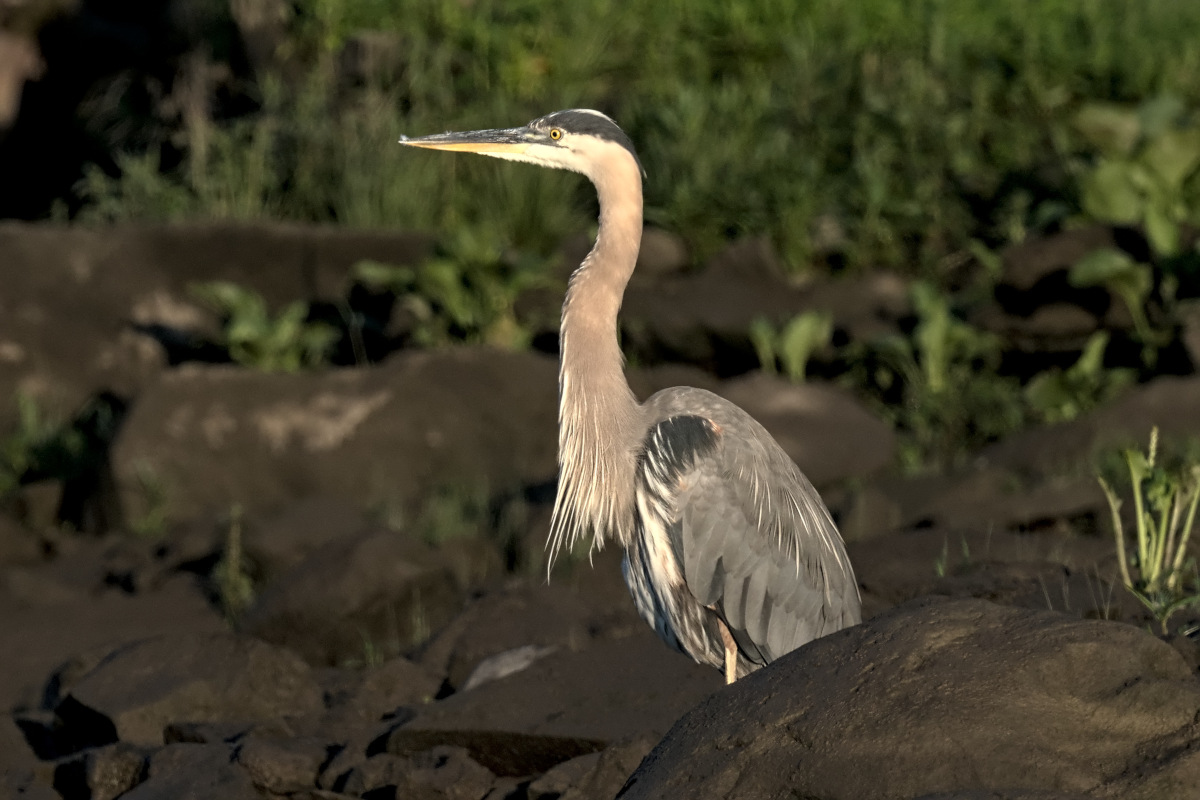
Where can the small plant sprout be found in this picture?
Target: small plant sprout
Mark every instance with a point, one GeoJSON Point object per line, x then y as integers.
{"type": "Point", "coordinates": [1161, 575]}
{"type": "Point", "coordinates": [794, 344]}
{"type": "Point", "coordinates": [233, 583]}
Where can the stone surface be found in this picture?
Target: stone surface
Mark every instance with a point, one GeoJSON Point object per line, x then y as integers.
{"type": "Point", "coordinates": [194, 772]}
{"type": "Point", "coordinates": [134, 693]}
{"type": "Point", "coordinates": [376, 593]}
{"type": "Point", "coordinates": [941, 697]}
{"type": "Point", "coordinates": [386, 437]}
{"type": "Point", "coordinates": [564, 705]}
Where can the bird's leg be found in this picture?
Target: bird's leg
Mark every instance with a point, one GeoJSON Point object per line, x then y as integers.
{"type": "Point", "coordinates": [731, 652]}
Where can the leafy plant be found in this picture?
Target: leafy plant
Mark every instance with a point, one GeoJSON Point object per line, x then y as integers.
{"type": "Point", "coordinates": [286, 342]}
{"type": "Point", "coordinates": [794, 344]}
{"type": "Point", "coordinates": [1058, 395]}
{"type": "Point", "coordinates": [466, 293]}
{"type": "Point", "coordinates": [1142, 176]}
{"type": "Point", "coordinates": [946, 395]}
{"type": "Point", "coordinates": [1164, 577]}
{"type": "Point", "coordinates": [1127, 279]}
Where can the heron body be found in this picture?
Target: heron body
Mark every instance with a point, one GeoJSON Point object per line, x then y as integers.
{"type": "Point", "coordinates": [730, 555]}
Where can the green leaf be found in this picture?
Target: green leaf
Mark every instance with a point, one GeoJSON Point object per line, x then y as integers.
{"type": "Point", "coordinates": [1173, 156]}
{"type": "Point", "coordinates": [800, 338]}
{"type": "Point", "coordinates": [1111, 193]}
{"type": "Point", "coordinates": [1099, 267]}
{"type": "Point", "coordinates": [1162, 231]}
{"type": "Point", "coordinates": [1112, 129]}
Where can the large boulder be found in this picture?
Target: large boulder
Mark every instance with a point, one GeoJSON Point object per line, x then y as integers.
{"type": "Point", "coordinates": [137, 691]}
{"type": "Point", "coordinates": [77, 301]}
{"type": "Point", "coordinates": [945, 698]}
{"type": "Point", "coordinates": [388, 437]}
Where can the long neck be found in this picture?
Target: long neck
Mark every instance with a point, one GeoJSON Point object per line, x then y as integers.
{"type": "Point", "coordinates": [598, 416]}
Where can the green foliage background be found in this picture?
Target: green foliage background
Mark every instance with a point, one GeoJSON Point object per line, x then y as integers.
{"type": "Point", "coordinates": [919, 127]}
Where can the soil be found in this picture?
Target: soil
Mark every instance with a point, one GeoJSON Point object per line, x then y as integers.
{"type": "Point", "coordinates": [400, 637]}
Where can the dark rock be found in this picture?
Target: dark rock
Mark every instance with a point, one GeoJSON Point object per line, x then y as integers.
{"type": "Point", "coordinates": [194, 772]}
{"type": "Point", "coordinates": [378, 592]}
{"type": "Point", "coordinates": [386, 437]}
{"type": "Point", "coordinates": [593, 776]}
{"type": "Point", "coordinates": [1025, 264]}
{"type": "Point", "coordinates": [943, 697]}
{"type": "Point", "coordinates": [662, 253]}
{"type": "Point", "coordinates": [282, 766]}
{"type": "Point", "coordinates": [38, 639]}
{"type": "Point", "coordinates": [279, 541]}
{"type": "Point", "coordinates": [540, 617]}
{"type": "Point", "coordinates": [134, 693]}
{"type": "Point", "coordinates": [101, 773]}
{"type": "Point", "coordinates": [72, 292]}
{"type": "Point", "coordinates": [440, 773]}
{"type": "Point", "coordinates": [1166, 402]}
{"type": "Point", "coordinates": [383, 689]}
{"type": "Point", "coordinates": [563, 705]}
{"type": "Point", "coordinates": [826, 430]}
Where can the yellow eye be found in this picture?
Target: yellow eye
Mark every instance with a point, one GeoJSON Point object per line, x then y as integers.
{"type": "Point", "coordinates": [555, 134]}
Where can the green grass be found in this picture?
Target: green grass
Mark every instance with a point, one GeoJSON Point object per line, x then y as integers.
{"type": "Point", "coordinates": [920, 127]}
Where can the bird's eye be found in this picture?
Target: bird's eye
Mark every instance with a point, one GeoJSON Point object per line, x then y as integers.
{"type": "Point", "coordinates": [555, 134]}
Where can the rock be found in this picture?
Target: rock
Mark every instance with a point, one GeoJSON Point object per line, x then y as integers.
{"type": "Point", "coordinates": [826, 430]}
{"type": "Point", "coordinates": [282, 766]}
{"type": "Point", "coordinates": [441, 772]}
{"type": "Point", "coordinates": [943, 697]}
{"type": "Point", "coordinates": [387, 437]}
{"type": "Point", "coordinates": [1167, 402]}
{"type": "Point", "coordinates": [537, 618]}
{"type": "Point", "coordinates": [40, 638]}
{"type": "Point", "coordinates": [1024, 265]}
{"type": "Point", "coordinates": [378, 593]}
{"type": "Point", "coordinates": [194, 772]}
{"type": "Point", "coordinates": [359, 700]}
{"type": "Point", "coordinates": [101, 773]}
{"type": "Point", "coordinates": [662, 253]}
{"type": "Point", "coordinates": [279, 541]}
{"type": "Point", "coordinates": [563, 705]}
{"type": "Point", "coordinates": [134, 693]}
{"type": "Point", "coordinates": [71, 293]}
{"type": "Point", "coordinates": [594, 776]}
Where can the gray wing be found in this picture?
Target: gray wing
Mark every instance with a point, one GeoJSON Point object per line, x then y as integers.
{"type": "Point", "coordinates": [755, 542]}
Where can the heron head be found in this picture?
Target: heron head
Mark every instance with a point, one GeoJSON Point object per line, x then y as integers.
{"type": "Point", "coordinates": [580, 140]}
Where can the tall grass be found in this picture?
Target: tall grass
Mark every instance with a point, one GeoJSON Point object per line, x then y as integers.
{"type": "Point", "coordinates": [920, 127]}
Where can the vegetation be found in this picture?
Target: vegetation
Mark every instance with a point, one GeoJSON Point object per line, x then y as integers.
{"type": "Point", "coordinates": [231, 577]}
{"type": "Point", "coordinates": [465, 294]}
{"type": "Point", "coordinates": [286, 342]}
{"type": "Point", "coordinates": [794, 344]}
{"type": "Point", "coordinates": [1154, 561]}
{"type": "Point", "coordinates": [919, 127]}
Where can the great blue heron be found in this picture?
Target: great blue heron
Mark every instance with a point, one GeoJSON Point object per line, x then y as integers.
{"type": "Point", "coordinates": [730, 554]}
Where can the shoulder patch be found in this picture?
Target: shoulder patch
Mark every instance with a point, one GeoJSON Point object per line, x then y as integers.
{"type": "Point", "coordinates": [673, 445]}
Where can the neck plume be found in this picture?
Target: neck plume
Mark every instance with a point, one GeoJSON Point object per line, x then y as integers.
{"type": "Point", "coordinates": [598, 416]}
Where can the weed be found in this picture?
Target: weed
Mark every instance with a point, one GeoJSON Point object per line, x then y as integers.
{"type": "Point", "coordinates": [466, 293]}
{"type": "Point", "coordinates": [1142, 175]}
{"type": "Point", "coordinates": [938, 386]}
{"type": "Point", "coordinates": [235, 588]}
{"type": "Point", "coordinates": [794, 344]}
{"type": "Point", "coordinates": [286, 342]}
{"type": "Point", "coordinates": [1165, 502]}
{"type": "Point", "coordinates": [1058, 395]}
{"type": "Point", "coordinates": [151, 523]}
